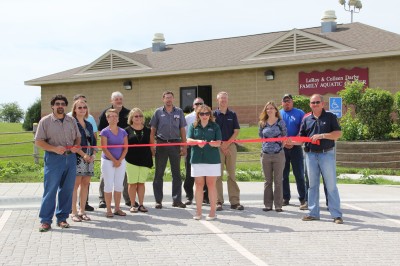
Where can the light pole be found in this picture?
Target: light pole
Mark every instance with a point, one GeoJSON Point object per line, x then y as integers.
{"type": "Point", "coordinates": [353, 6]}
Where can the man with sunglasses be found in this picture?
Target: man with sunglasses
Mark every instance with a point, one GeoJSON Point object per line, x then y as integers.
{"type": "Point", "coordinates": [321, 126]}
{"type": "Point", "coordinates": [189, 180]}
{"type": "Point", "coordinates": [59, 136]}
{"type": "Point", "coordinates": [293, 153]}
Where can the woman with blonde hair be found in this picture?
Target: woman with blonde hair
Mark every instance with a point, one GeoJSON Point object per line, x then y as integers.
{"type": "Point", "coordinates": [113, 161]}
{"type": "Point", "coordinates": [271, 125]}
{"type": "Point", "coordinates": [139, 159]}
{"type": "Point", "coordinates": [205, 136]}
{"type": "Point", "coordinates": [85, 160]}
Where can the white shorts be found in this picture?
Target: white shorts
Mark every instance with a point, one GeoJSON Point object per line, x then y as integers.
{"type": "Point", "coordinates": [113, 176]}
{"type": "Point", "coordinates": [205, 169]}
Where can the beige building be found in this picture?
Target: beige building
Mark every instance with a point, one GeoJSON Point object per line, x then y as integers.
{"type": "Point", "coordinates": [253, 69]}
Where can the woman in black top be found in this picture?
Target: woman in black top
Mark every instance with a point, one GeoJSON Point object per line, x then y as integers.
{"type": "Point", "coordinates": [139, 159]}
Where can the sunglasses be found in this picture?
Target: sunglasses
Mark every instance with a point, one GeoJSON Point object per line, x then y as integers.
{"type": "Point", "coordinates": [60, 104]}
{"type": "Point", "coordinates": [286, 101]}
{"type": "Point", "coordinates": [82, 107]}
{"type": "Point", "coordinates": [198, 103]}
{"type": "Point", "coordinates": [316, 102]}
{"type": "Point", "coordinates": [203, 114]}
{"type": "Point", "coordinates": [137, 116]}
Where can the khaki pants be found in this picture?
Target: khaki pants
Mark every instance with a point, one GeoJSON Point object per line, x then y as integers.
{"type": "Point", "coordinates": [272, 165]}
{"type": "Point", "coordinates": [233, 188]}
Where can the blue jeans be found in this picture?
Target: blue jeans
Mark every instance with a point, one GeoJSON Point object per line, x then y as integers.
{"type": "Point", "coordinates": [325, 164]}
{"type": "Point", "coordinates": [294, 156]}
{"type": "Point", "coordinates": [163, 153]}
{"type": "Point", "coordinates": [59, 176]}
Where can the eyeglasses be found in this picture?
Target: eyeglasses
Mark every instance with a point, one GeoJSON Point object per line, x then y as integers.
{"type": "Point", "coordinates": [82, 107]}
{"type": "Point", "coordinates": [206, 113]}
{"type": "Point", "coordinates": [198, 103]}
{"type": "Point", "coordinates": [316, 102]}
{"type": "Point", "coordinates": [60, 104]}
{"type": "Point", "coordinates": [137, 116]}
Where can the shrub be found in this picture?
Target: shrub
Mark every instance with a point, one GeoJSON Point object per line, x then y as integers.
{"type": "Point", "coordinates": [33, 115]}
{"type": "Point", "coordinates": [375, 107]}
{"type": "Point", "coordinates": [302, 102]}
{"type": "Point", "coordinates": [147, 116]}
{"type": "Point", "coordinates": [352, 93]}
{"type": "Point", "coordinates": [352, 129]}
{"type": "Point", "coordinates": [397, 105]}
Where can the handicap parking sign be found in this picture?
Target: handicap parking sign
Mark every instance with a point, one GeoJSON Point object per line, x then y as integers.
{"type": "Point", "coordinates": [335, 106]}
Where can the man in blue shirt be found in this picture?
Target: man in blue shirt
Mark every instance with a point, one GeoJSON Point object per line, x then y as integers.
{"type": "Point", "coordinates": [293, 153]}
{"type": "Point", "coordinates": [229, 124]}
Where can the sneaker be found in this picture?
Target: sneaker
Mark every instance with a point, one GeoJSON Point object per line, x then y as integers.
{"type": "Point", "coordinates": [88, 208]}
{"type": "Point", "coordinates": [237, 207]}
{"type": "Point", "coordinates": [219, 206]}
{"type": "Point", "coordinates": [158, 205]}
{"type": "Point", "coordinates": [179, 204]}
{"type": "Point", "coordinates": [44, 227]}
{"type": "Point", "coordinates": [188, 202]}
{"type": "Point", "coordinates": [285, 202]}
{"type": "Point", "coordinates": [102, 204]}
{"type": "Point", "coordinates": [308, 218]}
{"type": "Point", "coordinates": [338, 220]}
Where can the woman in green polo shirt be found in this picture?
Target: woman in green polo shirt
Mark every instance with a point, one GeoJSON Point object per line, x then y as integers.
{"type": "Point", "coordinates": [205, 136]}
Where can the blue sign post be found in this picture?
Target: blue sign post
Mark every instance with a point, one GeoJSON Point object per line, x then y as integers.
{"type": "Point", "coordinates": [335, 106]}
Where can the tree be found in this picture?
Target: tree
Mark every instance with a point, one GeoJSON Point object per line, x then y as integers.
{"type": "Point", "coordinates": [11, 112]}
{"type": "Point", "coordinates": [33, 115]}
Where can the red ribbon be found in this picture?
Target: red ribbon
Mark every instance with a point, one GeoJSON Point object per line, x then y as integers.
{"type": "Point", "coordinates": [295, 139]}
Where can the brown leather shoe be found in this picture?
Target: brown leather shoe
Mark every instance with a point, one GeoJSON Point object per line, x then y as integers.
{"type": "Point", "coordinates": [237, 207]}
{"type": "Point", "coordinates": [219, 206]}
{"type": "Point", "coordinates": [179, 204]}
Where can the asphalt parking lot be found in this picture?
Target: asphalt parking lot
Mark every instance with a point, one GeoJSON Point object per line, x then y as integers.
{"type": "Point", "coordinates": [370, 234]}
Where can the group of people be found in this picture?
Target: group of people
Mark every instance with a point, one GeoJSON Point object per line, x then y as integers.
{"type": "Point", "coordinates": [205, 137]}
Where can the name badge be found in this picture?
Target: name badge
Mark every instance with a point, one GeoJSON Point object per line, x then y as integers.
{"type": "Point", "coordinates": [176, 116]}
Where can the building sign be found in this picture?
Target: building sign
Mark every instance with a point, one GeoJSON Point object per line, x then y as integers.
{"type": "Point", "coordinates": [330, 81]}
{"type": "Point", "coordinates": [335, 106]}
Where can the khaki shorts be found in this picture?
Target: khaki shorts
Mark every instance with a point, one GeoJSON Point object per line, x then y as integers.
{"type": "Point", "coordinates": [136, 174]}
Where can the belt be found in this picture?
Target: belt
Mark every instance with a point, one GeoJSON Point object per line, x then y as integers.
{"type": "Point", "coordinates": [168, 140]}
{"type": "Point", "coordinates": [68, 152]}
{"type": "Point", "coordinates": [321, 151]}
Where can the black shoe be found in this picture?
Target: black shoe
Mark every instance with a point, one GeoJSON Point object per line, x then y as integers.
{"type": "Point", "coordinates": [285, 202]}
{"type": "Point", "coordinates": [206, 201]}
{"type": "Point", "coordinates": [88, 208]}
{"type": "Point", "coordinates": [188, 202]}
{"type": "Point", "coordinates": [102, 204]}
{"type": "Point", "coordinates": [237, 207]}
{"type": "Point", "coordinates": [128, 203]}
{"type": "Point", "coordinates": [136, 204]}
{"type": "Point", "coordinates": [158, 205]}
{"type": "Point", "coordinates": [179, 204]}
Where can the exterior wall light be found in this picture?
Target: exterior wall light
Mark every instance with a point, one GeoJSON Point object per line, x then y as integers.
{"type": "Point", "coordinates": [127, 85]}
{"type": "Point", "coordinates": [269, 75]}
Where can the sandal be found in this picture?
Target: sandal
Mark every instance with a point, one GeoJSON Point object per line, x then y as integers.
{"type": "Point", "coordinates": [76, 218]}
{"type": "Point", "coordinates": [119, 213]}
{"type": "Point", "coordinates": [109, 215]}
{"type": "Point", "coordinates": [63, 224]}
{"type": "Point", "coordinates": [133, 209]}
{"type": "Point", "coordinates": [142, 208]}
{"type": "Point", "coordinates": [84, 217]}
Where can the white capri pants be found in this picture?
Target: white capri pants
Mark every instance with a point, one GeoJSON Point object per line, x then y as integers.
{"type": "Point", "coordinates": [113, 176]}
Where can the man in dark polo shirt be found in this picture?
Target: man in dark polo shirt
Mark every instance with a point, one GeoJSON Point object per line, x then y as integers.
{"type": "Point", "coordinates": [321, 126]}
{"type": "Point", "coordinates": [229, 124]}
{"type": "Point", "coordinates": [168, 126]}
{"type": "Point", "coordinates": [59, 136]}
{"type": "Point", "coordinates": [117, 104]}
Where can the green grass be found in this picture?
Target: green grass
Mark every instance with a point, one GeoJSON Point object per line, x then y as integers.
{"type": "Point", "coordinates": [22, 169]}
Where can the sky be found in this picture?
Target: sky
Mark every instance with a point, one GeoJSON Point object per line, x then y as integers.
{"type": "Point", "coordinates": [43, 37]}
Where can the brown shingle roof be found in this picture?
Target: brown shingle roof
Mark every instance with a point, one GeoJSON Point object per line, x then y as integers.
{"type": "Point", "coordinates": [229, 53]}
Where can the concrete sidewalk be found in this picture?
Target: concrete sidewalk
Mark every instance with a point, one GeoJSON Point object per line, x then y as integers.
{"type": "Point", "coordinates": [369, 236]}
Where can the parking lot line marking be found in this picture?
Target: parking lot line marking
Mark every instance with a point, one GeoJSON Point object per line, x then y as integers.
{"type": "Point", "coordinates": [373, 213]}
{"type": "Point", "coordinates": [4, 218]}
{"type": "Point", "coordinates": [247, 254]}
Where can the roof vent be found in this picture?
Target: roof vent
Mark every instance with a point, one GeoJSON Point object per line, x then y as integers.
{"type": "Point", "coordinates": [328, 23]}
{"type": "Point", "coordinates": [158, 42]}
